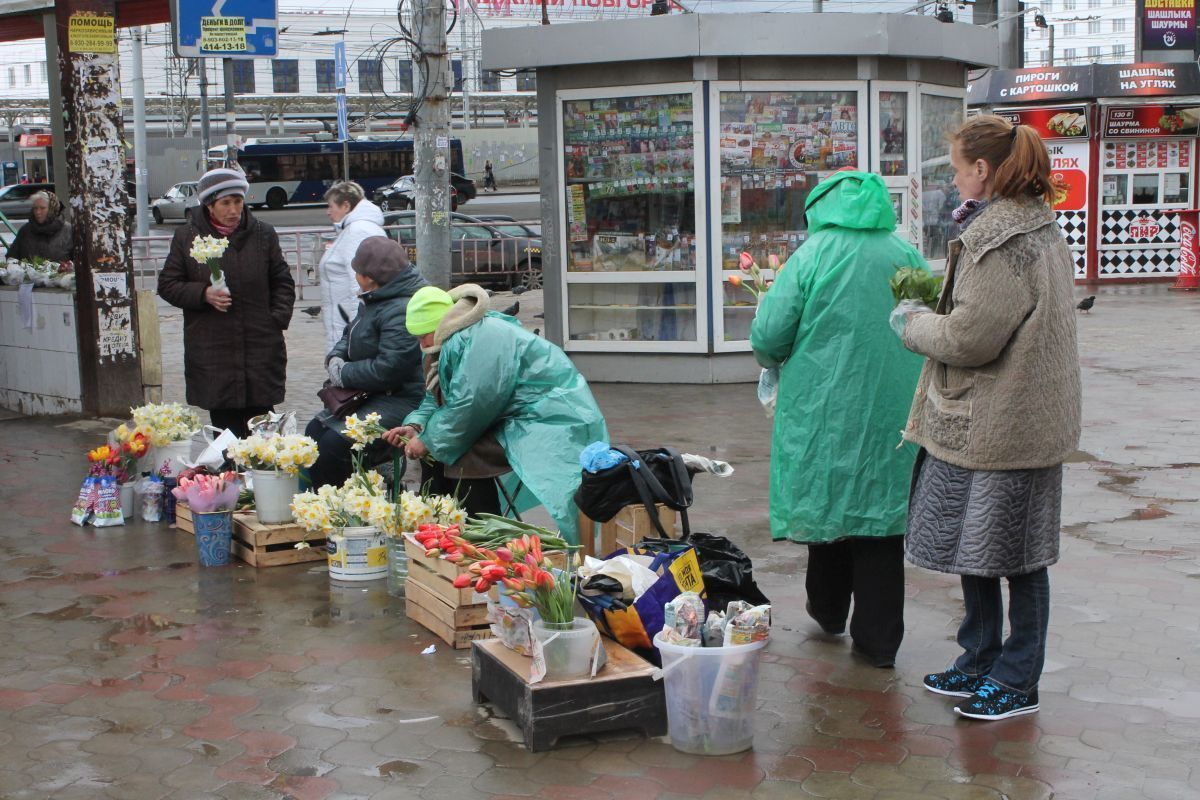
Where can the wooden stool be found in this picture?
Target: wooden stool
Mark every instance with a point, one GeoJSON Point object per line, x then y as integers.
{"type": "Point", "coordinates": [627, 528]}
{"type": "Point", "coordinates": [622, 696]}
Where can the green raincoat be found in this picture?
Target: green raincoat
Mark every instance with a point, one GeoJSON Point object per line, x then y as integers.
{"type": "Point", "coordinates": [846, 381]}
{"type": "Point", "coordinates": [496, 376]}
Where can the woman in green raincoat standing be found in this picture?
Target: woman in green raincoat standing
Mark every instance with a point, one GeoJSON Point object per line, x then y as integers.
{"type": "Point", "coordinates": [500, 403]}
{"type": "Point", "coordinates": [838, 482]}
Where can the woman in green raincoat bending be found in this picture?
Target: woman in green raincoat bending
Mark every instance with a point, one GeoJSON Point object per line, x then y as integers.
{"type": "Point", "coordinates": [838, 483]}
{"type": "Point", "coordinates": [499, 401]}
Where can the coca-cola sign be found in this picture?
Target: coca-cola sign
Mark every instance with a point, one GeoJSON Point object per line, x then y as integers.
{"type": "Point", "coordinates": [1187, 246]}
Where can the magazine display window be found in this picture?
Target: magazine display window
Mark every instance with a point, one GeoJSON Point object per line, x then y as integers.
{"type": "Point", "coordinates": [631, 213]}
{"type": "Point", "coordinates": [774, 144]}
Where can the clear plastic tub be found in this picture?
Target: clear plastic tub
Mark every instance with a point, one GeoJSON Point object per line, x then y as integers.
{"type": "Point", "coordinates": [712, 696]}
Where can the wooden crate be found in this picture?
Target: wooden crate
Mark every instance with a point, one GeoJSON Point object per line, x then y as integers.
{"type": "Point", "coordinates": [623, 695]}
{"type": "Point", "coordinates": [457, 616]}
{"type": "Point", "coordinates": [262, 545]}
{"type": "Point", "coordinates": [627, 528]}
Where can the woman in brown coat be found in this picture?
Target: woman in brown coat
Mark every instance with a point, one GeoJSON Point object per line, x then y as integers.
{"type": "Point", "coordinates": [235, 359]}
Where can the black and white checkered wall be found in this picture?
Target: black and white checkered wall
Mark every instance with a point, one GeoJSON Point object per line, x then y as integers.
{"type": "Point", "coordinates": [1139, 262]}
{"type": "Point", "coordinates": [1139, 227]}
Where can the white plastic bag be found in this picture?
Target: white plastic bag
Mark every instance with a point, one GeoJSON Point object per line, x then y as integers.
{"type": "Point", "coordinates": [214, 453]}
{"type": "Point", "coordinates": [768, 390]}
{"type": "Point", "coordinates": [903, 312]}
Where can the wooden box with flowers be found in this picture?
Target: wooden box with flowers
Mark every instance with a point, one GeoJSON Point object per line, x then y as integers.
{"type": "Point", "coordinates": [446, 595]}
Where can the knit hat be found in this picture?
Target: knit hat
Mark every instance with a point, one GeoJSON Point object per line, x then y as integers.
{"type": "Point", "coordinates": [380, 259]}
{"type": "Point", "coordinates": [221, 182]}
{"type": "Point", "coordinates": [426, 309]}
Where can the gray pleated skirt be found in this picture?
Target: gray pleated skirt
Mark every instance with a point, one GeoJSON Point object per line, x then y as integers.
{"type": "Point", "coordinates": [991, 523]}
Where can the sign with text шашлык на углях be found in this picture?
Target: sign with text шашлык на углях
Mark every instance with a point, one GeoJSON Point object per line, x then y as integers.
{"type": "Point", "coordinates": [1042, 84]}
{"type": "Point", "coordinates": [92, 33]}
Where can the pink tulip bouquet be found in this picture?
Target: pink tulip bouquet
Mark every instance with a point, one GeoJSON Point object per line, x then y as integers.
{"type": "Point", "coordinates": [205, 493]}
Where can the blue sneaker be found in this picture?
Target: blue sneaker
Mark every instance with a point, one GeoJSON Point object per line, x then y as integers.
{"type": "Point", "coordinates": [993, 701]}
{"type": "Point", "coordinates": [953, 683]}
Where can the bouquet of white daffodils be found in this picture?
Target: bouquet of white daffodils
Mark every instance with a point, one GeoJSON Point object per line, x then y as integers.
{"type": "Point", "coordinates": [360, 501]}
{"type": "Point", "coordinates": [273, 452]}
{"type": "Point", "coordinates": [414, 510]}
{"type": "Point", "coordinates": [208, 250]}
{"type": "Point", "coordinates": [166, 422]}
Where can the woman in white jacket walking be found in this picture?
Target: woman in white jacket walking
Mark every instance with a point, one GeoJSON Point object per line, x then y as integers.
{"type": "Point", "coordinates": [354, 218]}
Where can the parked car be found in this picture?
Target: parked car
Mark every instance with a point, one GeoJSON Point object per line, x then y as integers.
{"type": "Point", "coordinates": [402, 193]}
{"type": "Point", "coordinates": [479, 252]}
{"type": "Point", "coordinates": [16, 200]}
{"type": "Point", "coordinates": [509, 226]}
{"type": "Point", "coordinates": [175, 203]}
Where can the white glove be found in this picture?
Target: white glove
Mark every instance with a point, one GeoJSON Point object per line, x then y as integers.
{"type": "Point", "coordinates": [334, 367]}
{"type": "Point", "coordinates": [903, 312]}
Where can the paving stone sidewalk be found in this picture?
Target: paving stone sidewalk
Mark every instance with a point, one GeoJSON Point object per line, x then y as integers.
{"type": "Point", "coordinates": [128, 672]}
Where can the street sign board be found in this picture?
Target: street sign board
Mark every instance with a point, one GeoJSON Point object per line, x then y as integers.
{"type": "Point", "coordinates": [339, 65]}
{"type": "Point", "coordinates": [225, 28]}
{"type": "Point", "coordinates": [343, 119]}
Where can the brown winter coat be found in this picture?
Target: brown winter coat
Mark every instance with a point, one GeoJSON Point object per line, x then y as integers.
{"type": "Point", "coordinates": [1000, 389]}
{"type": "Point", "coordinates": [237, 358]}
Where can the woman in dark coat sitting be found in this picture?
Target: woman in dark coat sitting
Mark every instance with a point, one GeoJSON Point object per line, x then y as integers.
{"type": "Point", "coordinates": [235, 359]}
{"type": "Point", "coordinates": [46, 235]}
{"type": "Point", "coordinates": [376, 354]}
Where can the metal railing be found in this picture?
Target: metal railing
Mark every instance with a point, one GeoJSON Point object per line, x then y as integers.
{"type": "Point", "coordinates": [496, 261]}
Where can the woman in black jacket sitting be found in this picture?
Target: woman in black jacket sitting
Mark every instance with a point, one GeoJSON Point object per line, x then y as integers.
{"type": "Point", "coordinates": [46, 235]}
{"type": "Point", "coordinates": [376, 354]}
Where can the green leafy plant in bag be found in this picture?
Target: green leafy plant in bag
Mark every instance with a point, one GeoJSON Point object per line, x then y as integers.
{"type": "Point", "coordinates": [910, 283]}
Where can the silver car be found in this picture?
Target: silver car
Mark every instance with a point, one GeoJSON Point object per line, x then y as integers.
{"type": "Point", "coordinates": [16, 201]}
{"type": "Point", "coordinates": [175, 203]}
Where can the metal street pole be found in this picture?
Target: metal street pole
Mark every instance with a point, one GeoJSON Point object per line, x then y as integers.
{"type": "Point", "coordinates": [230, 114]}
{"type": "Point", "coordinates": [1051, 62]}
{"type": "Point", "coordinates": [463, 17]}
{"type": "Point", "coordinates": [205, 133]}
{"type": "Point", "coordinates": [431, 143]}
{"type": "Point", "coordinates": [139, 136]}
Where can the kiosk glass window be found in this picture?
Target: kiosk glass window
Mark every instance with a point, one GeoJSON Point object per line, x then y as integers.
{"type": "Point", "coordinates": [630, 207]}
{"type": "Point", "coordinates": [1145, 190]}
{"type": "Point", "coordinates": [1147, 172]}
{"type": "Point", "coordinates": [893, 133]}
{"type": "Point", "coordinates": [939, 116]}
{"type": "Point", "coordinates": [630, 184]}
{"type": "Point", "coordinates": [775, 147]}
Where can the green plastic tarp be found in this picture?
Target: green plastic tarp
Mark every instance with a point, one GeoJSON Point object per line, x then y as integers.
{"type": "Point", "coordinates": [846, 382]}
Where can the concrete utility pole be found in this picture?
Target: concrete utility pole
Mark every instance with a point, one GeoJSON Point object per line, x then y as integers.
{"type": "Point", "coordinates": [231, 137]}
{"type": "Point", "coordinates": [106, 322]}
{"type": "Point", "coordinates": [139, 137]}
{"type": "Point", "coordinates": [431, 143]}
{"type": "Point", "coordinates": [54, 79]}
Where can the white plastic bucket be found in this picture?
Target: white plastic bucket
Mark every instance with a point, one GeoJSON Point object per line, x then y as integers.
{"type": "Point", "coordinates": [357, 554]}
{"type": "Point", "coordinates": [174, 455]}
{"type": "Point", "coordinates": [127, 503]}
{"type": "Point", "coordinates": [273, 493]}
{"type": "Point", "coordinates": [567, 647]}
{"type": "Point", "coordinates": [712, 696]}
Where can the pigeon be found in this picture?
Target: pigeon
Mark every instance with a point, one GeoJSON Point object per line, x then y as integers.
{"type": "Point", "coordinates": [512, 310]}
{"type": "Point", "coordinates": [537, 331]}
{"type": "Point", "coordinates": [519, 290]}
{"type": "Point", "coordinates": [1085, 305]}
{"type": "Point", "coordinates": [312, 311]}
{"type": "Point", "coordinates": [539, 315]}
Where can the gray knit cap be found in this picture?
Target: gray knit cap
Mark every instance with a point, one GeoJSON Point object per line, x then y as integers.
{"type": "Point", "coordinates": [380, 259]}
{"type": "Point", "coordinates": [221, 182]}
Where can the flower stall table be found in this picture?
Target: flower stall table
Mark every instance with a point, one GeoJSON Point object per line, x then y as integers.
{"type": "Point", "coordinates": [622, 696]}
{"type": "Point", "coordinates": [262, 545]}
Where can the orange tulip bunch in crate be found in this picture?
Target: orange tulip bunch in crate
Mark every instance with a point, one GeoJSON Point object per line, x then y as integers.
{"type": "Point", "coordinates": [457, 616]}
{"type": "Point", "coordinates": [262, 545]}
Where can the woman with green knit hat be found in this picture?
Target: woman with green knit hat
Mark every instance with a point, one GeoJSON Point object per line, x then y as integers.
{"type": "Point", "coordinates": [499, 401]}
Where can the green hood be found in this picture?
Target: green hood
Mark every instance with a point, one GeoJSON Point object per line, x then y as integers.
{"type": "Point", "coordinates": [857, 200]}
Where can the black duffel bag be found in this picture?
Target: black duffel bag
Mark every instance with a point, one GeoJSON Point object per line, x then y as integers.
{"type": "Point", "coordinates": [647, 478]}
{"type": "Point", "coordinates": [727, 571]}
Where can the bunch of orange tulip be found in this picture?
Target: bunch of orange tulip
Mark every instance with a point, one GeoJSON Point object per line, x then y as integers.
{"type": "Point", "coordinates": [525, 574]}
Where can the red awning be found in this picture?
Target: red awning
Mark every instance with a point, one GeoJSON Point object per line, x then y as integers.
{"type": "Point", "coordinates": [130, 13]}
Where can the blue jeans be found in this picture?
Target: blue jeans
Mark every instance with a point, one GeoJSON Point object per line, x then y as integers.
{"type": "Point", "coordinates": [1017, 661]}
